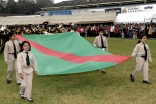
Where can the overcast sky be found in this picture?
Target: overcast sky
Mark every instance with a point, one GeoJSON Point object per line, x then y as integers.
{"type": "Point", "coordinates": [57, 1]}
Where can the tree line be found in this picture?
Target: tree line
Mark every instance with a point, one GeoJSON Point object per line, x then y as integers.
{"type": "Point", "coordinates": [23, 6]}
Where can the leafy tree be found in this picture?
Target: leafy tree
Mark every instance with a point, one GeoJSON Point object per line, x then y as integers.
{"type": "Point", "coordinates": [2, 6]}
{"type": "Point", "coordinates": [23, 6]}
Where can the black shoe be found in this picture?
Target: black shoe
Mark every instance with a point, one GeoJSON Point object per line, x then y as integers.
{"type": "Point", "coordinates": [103, 71]}
{"type": "Point", "coordinates": [146, 82]}
{"type": "Point", "coordinates": [30, 100]}
{"type": "Point", "coordinates": [22, 96]}
{"type": "Point", "coordinates": [8, 81]}
{"type": "Point", "coordinates": [18, 84]}
{"type": "Point", "coordinates": [131, 78]}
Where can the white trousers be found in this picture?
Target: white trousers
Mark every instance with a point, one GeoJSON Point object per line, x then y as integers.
{"type": "Point", "coordinates": [11, 65]}
{"type": "Point", "coordinates": [26, 85]}
{"type": "Point", "coordinates": [141, 64]}
{"type": "Point", "coordinates": [123, 35]}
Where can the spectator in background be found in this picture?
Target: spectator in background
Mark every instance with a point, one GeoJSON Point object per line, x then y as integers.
{"type": "Point", "coordinates": [146, 30]}
{"type": "Point", "coordinates": [150, 31]}
{"type": "Point", "coordinates": [82, 31]}
{"type": "Point", "coordinates": [116, 34]}
{"type": "Point", "coordinates": [130, 33]}
{"type": "Point", "coordinates": [112, 31]}
{"type": "Point", "coordinates": [5, 38]}
{"type": "Point", "coordinates": [142, 29]}
{"type": "Point", "coordinates": [106, 31]}
{"type": "Point", "coordinates": [153, 31]}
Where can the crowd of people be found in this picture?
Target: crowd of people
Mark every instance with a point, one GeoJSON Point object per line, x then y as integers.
{"type": "Point", "coordinates": [120, 30]}
{"type": "Point", "coordinates": [129, 30]}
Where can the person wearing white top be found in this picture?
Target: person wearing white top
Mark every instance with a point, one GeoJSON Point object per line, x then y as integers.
{"type": "Point", "coordinates": [101, 42]}
{"type": "Point", "coordinates": [11, 50]}
{"type": "Point", "coordinates": [112, 31]}
{"type": "Point", "coordinates": [143, 55]}
{"type": "Point", "coordinates": [26, 63]}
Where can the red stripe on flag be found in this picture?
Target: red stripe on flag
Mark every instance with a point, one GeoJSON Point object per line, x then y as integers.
{"type": "Point", "coordinates": [74, 58]}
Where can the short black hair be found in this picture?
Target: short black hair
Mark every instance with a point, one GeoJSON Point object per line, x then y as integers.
{"type": "Point", "coordinates": [22, 44]}
{"type": "Point", "coordinates": [10, 34]}
{"type": "Point", "coordinates": [100, 30]}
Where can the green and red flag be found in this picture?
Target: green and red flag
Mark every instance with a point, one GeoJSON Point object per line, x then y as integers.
{"type": "Point", "coordinates": [67, 53]}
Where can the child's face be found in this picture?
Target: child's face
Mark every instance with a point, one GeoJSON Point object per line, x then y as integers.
{"type": "Point", "coordinates": [26, 47]}
{"type": "Point", "coordinates": [13, 37]}
{"type": "Point", "coordinates": [101, 33]}
{"type": "Point", "coordinates": [143, 39]}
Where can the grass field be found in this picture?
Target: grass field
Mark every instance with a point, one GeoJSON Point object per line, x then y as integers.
{"type": "Point", "coordinates": [114, 87]}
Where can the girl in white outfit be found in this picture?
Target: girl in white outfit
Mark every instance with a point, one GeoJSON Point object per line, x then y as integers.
{"type": "Point", "coordinates": [143, 55]}
{"type": "Point", "coordinates": [26, 63]}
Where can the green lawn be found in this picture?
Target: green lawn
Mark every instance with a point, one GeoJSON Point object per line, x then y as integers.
{"type": "Point", "coordinates": [114, 87]}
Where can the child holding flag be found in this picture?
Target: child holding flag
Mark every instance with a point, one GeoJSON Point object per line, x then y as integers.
{"type": "Point", "coordinates": [101, 42]}
{"type": "Point", "coordinates": [143, 55]}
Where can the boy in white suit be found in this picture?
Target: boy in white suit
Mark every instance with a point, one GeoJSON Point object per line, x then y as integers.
{"type": "Point", "coordinates": [11, 50]}
{"type": "Point", "coordinates": [101, 42]}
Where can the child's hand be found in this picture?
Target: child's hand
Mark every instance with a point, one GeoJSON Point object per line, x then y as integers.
{"type": "Point", "coordinates": [36, 72]}
{"type": "Point", "coordinates": [6, 63]}
{"type": "Point", "coordinates": [21, 76]}
{"type": "Point", "coordinates": [152, 63]}
{"type": "Point", "coordinates": [131, 56]}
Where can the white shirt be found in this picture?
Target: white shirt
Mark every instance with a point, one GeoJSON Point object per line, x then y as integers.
{"type": "Point", "coordinates": [22, 65]}
{"type": "Point", "coordinates": [97, 42]}
{"type": "Point", "coordinates": [139, 51]}
{"type": "Point", "coordinates": [9, 48]}
{"type": "Point", "coordinates": [112, 29]}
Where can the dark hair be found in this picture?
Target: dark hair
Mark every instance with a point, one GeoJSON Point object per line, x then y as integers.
{"type": "Point", "coordinates": [22, 44]}
{"type": "Point", "coordinates": [140, 37]}
{"type": "Point", "coordinates": [68, 30]}
{"type": "Point", "coordinates": [75, 27]}
{"type": "Point", "coordinates": [100, 30]}
{"type": "Point", "coordinates": [10, 34]}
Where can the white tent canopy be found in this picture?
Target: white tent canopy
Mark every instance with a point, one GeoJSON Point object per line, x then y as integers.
{"type": "Point", "coordinates": [154, 18]}
{"type": "Point", "coordinates": [139, 17]}
{"type": "Point", "coordinates": [98, 17]}
{"type": "Point", "coordinates": [9, 20]}
{"type": "Point", "coordinates": [57, 19]}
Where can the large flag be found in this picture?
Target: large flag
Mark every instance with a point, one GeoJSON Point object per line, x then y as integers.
{"type": "Point", "coordinates": [67, 53]}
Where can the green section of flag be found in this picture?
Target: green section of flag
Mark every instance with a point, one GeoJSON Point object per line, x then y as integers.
{"type": "Point", "coordinates": [67, 43]}
{"type": "Point", "coordinates": [48, 65]}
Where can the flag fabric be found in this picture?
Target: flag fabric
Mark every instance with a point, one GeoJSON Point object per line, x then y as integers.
{"type": "Point", "coordinates": [67, 53]}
